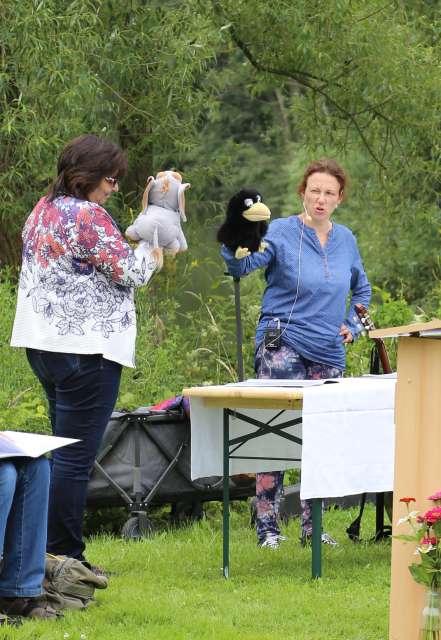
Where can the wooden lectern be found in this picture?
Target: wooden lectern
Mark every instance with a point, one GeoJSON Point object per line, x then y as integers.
{"type": "Point", "coordinates": [417, 458]}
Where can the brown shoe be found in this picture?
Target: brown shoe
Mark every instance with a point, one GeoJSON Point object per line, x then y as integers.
{"type": "Point", "coordinates": [28, 608]}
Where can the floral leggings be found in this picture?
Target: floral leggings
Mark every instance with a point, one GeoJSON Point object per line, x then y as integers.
{"type": "Point", "coordinates": [285, 363]}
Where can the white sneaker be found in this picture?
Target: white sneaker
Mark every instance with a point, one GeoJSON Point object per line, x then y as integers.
{"type": "Point", "coordinates": [306, 539]}
{"type": "Point", "coordinates": [271, 542]}
{"type": "Point", "coordinates": [327, 539]}
{"type": "Point", "coordinates": [281, 538]}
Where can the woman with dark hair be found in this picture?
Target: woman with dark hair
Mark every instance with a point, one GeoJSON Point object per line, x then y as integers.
{"type": "Point", "coordinates": [76, 317]}
{"type": "Point", "coordinates": [311, 267]}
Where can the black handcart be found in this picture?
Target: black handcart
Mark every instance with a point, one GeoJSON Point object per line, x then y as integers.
{"type": "Point", "coordinates": [144, 461]}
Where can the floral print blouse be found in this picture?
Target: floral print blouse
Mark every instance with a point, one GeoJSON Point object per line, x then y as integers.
{"type": "Point", "coordinates": [77, 281]}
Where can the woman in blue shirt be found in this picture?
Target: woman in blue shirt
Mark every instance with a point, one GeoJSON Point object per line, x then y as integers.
{"type": "Point", "coordinates": [312, 266]}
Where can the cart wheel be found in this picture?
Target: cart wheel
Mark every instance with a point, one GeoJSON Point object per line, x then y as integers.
{"type": "Point", "coordinates": [136, 528]}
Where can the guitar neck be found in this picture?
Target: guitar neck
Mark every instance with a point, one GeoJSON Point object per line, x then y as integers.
{"type": "Point", "coordinates": [367, 323]}
{"type": "Point", "coordinates": [382, 354]}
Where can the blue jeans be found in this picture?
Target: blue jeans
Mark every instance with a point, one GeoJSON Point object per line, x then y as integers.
{"type": "Point", "coordinates": [81, 391]}
{"type": "Point", "coordinates": [283, 363]}
{"type": "Point", "coordinates": [24, 487]}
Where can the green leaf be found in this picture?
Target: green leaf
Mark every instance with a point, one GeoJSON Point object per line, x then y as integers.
{"type": "Point", "coordinates": [420, 575]}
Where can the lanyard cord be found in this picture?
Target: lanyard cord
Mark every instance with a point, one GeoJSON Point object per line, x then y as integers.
{"type": "Point", "coordinates": [265, 347]}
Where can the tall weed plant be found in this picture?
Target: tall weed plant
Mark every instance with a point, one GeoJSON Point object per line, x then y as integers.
{"type": "Point", "coordinates": [22, 402]}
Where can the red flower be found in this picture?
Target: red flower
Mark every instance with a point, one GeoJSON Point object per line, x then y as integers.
{"type": "Point", "coordinates": [116, 268]}
{"type": "Point", "coordinates": [84, 218]}
{"type": "Point", "coordinates": [407, 500]}
{"type": "Point", "coordinates": [87, 237]}
{"type": "Point", "coordinates": [48, 249]}
{"type": "Point", "coordinates": [103, 257]}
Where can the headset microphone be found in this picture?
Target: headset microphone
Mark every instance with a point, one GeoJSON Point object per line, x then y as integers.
{"type": "Point", "coordinates": [307, 216]}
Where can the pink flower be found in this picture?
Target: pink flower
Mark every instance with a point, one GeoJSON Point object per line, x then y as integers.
{"type": "Point", "coordinates": [265, 481]}
{"type": "Point", "coordinates": [427, 534]}
{"type": "Point", "coordinates": [87, 237]}
{"type": "Point", "coordinates": [433, 515]}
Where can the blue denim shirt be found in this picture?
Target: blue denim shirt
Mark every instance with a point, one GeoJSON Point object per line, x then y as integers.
{"type": "Point", "coordinates": [319, 280]}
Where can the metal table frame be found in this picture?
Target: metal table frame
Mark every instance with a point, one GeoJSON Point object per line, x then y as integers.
{"type": "Point", "coordinates": [230, 446]}
{"type": "Point", "coordinates": [231, 400]}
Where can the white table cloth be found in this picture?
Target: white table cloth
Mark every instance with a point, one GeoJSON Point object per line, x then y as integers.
{"type": "Point", "coordinates": [347, 432]}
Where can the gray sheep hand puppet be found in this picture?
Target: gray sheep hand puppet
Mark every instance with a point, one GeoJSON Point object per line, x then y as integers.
{"type": "Point", "coordinates": [245, 223]}
{"type": "Point", "coordinates": [163, 208]}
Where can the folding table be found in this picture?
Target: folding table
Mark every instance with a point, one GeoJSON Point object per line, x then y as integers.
{"type": "Point", "coordinates": [228, 419]}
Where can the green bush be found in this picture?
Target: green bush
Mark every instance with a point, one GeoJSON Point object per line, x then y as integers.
{"type": "Point", "coordinates": [384, 311]}
{"type": "Point", "coordinates": [185, 338]}
{"type": "Point", "coordinates": [22, 401]}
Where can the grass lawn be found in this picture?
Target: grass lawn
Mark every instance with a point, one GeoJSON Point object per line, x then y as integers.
{"type": "Point", "coordinates": [171, 586]}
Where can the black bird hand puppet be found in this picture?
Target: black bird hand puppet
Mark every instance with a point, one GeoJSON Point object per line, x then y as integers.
{"type": "Point", "coordinates": [245, 223]}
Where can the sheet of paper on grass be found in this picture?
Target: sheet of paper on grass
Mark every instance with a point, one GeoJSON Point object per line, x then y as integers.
{"type": "Point", "coordinates": [273, 382]}
{"type": "Point", "coordinates": [16, 444]}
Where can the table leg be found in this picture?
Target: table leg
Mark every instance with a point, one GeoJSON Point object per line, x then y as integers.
{"type": "Point", "coordinates": [226, 497]}
{"type": "Point", "coordinates": [316, 538]}
{"type": "Point", "coordinates": [379, 516]}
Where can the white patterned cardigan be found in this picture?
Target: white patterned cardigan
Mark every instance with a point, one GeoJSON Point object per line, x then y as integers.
{"type": "Point", "coordinates": [77, 282]}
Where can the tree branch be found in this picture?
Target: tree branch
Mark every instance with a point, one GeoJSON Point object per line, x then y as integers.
{"type": "Point", "coordinates": [248, 54]}
{"type": "Point", "coordinates": [374, 13]}
{"type": "Point", "coordinates": [283, 116]}
{"type": "Point", "coordinates": [302, 77]}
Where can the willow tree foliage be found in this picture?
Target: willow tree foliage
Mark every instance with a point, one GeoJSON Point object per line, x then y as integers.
{"type": "Point", "coordinates": [361, 79]}
{"type": "Point", "coordinates": [44, 83]}
{"type": "Point", "coordinates": [235, 91]}
{"type": "Point", "coordinates": [126, 70]}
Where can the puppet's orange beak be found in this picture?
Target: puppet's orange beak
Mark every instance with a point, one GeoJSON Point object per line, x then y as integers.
{"type": "Point", "coordinates": [257, 212]}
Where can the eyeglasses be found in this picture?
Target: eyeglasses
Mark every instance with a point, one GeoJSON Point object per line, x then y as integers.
{"type": "Point", "coordinates": [112, 181]}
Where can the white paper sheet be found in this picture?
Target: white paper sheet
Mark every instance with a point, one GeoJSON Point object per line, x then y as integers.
{"type": "Point", "coordinates": [273, 382]}
{"type": "Point", "coordinates": [16, 444]}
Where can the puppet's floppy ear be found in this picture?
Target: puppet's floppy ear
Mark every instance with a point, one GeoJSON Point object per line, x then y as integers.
{"type": "Point", "coordinates": [181, 199]}
{"type": "Point", "coordinates": [145, 197]}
